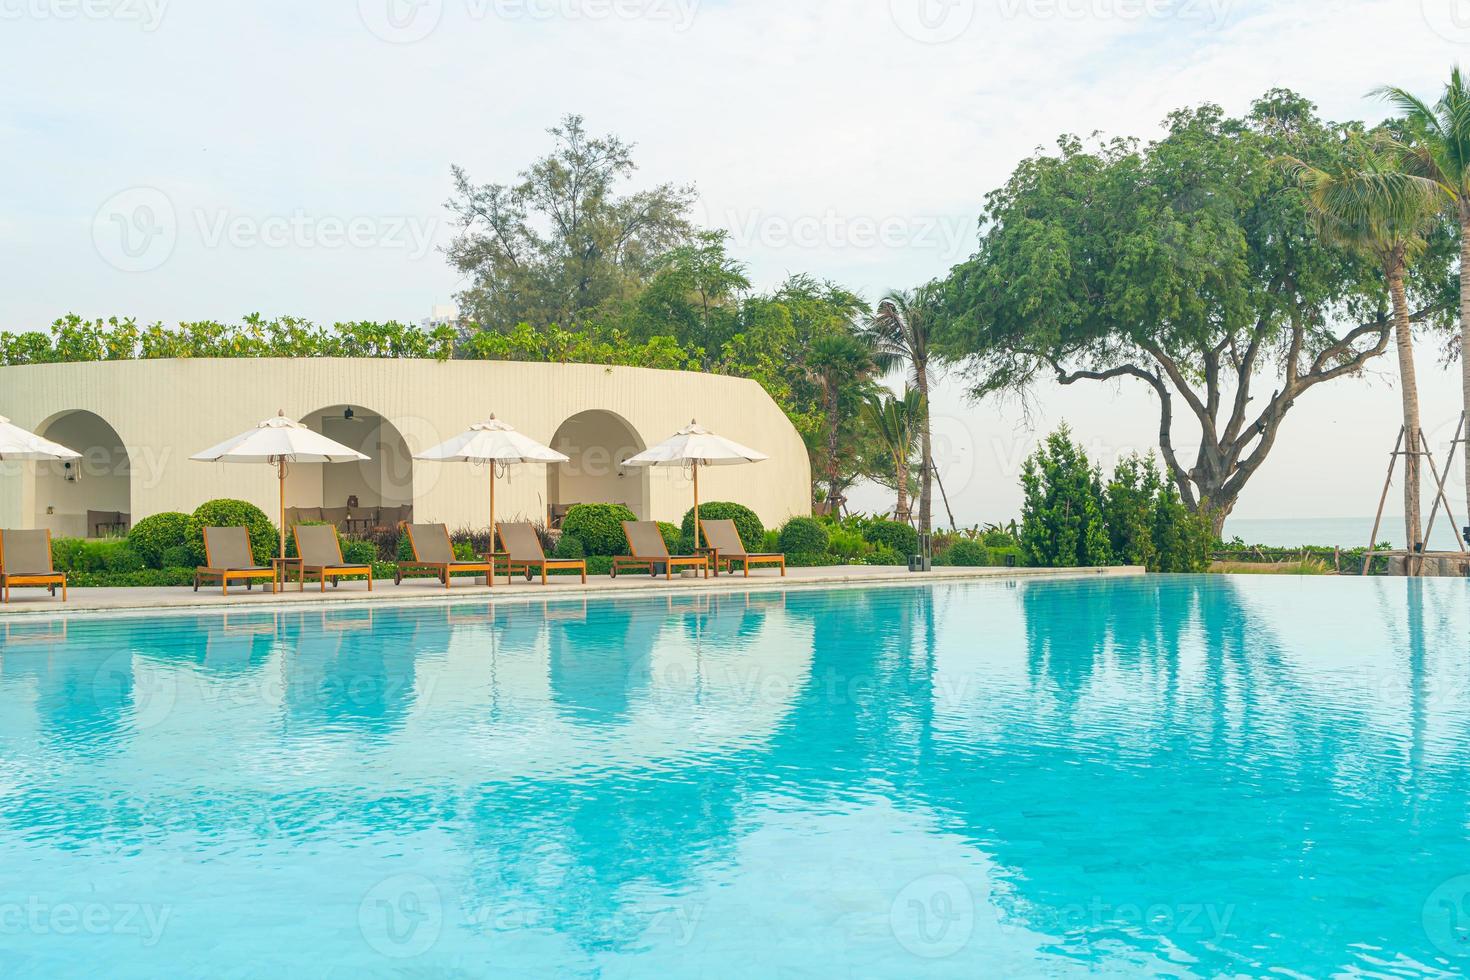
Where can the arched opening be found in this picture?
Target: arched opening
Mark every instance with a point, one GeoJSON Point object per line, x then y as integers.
{"type": "Point", "coordinates": [597, 442]}
{"type": "Point", "coordinates": [359, 498]}
{"type": "Point", "coordinates": [89, 497]}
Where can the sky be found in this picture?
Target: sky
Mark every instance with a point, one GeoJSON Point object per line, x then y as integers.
{"type": "Point", "coordinates": [183, 160]}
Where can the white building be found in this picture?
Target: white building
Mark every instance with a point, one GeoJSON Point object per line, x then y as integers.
{"type": "Point", "coordinates": [137, 422]}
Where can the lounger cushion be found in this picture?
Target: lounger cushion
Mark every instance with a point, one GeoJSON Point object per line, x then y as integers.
{"type": "Point", "coordinates": [25, 552]}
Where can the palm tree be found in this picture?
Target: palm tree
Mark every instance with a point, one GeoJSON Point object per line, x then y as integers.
{"type": "Point", "coordinates": [840, 364]}
{"type": "Point", "coordinates": [900, 332]}
{"type": "Point", "coordinates": [1438, 147]}
{"type": "Point", "coordinates": [1373, 207]}
{"type": "Point", "coordinates": [897, 421]}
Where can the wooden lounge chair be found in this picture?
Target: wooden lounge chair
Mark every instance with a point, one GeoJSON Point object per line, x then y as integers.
{"type": "Point", "coordinates": [523, 546]}
{"type": "Point", "coordinates": [729, 550]}
{"type": "Point", "coordinates": [647, 546]}
{"type": "Point", "coordinates": [433, 552]}
{"type": "Point", "coordinates": [321, 556]}
{"type": "Point", "coordinates": [228, 558]}
{"type": "Point", "coordinates": [25, 560]}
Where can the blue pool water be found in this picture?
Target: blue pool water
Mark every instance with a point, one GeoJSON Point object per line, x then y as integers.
{"type": "Point", "coordinates": [1163, 776]}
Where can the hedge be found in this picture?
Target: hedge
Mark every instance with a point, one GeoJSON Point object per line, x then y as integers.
{"type": "Point", "coordinates": [893, 535]}
{"type": "Point", "coordinates": [161, 535]}
{"type": "Point", "coordinates": [110, 556]}
{"type": "Point", "coordinates": [748, 525]}
{"type": "Point", "coordinates": [234, 513]}
{"type": "Point", "coordinates": [804, 536]}
{"type": "Point", "coordinates": [599, 527]}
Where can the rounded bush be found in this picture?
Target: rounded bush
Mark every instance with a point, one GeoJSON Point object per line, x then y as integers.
{"type": "Point", "coordinates": [152, 537]}
{"type": "Point", "coordinates": [234, 513]}
{"type": "Point", "coordinates": [599, 527]}
{"type": "Point", "coordinates": [356, 551]}
{"type": "Point", "coordinates": [893, 535]}
{"type": "Point", "coordinates": [965, 553]}
{"type": "Point", "coordinates": [673, 540]}
{"type": "Point", "coordinates": [179, 556]}
{"type": "Point", "coordinates": [570, 547]}
{"type": "Point", "coordinates": [804, 536]}
{"type": "Point", "coordinates": [749, 526]}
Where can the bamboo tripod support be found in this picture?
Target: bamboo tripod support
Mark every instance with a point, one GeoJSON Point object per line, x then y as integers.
{"type": "Point", "coordinates": [1414, 560]}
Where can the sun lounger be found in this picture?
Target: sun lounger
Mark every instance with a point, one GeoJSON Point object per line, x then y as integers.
{"type": "Point", "coordinates": [647, 548]}
{"type": "Point", "coordinates": [25, 560]}
{"type": "Point", "coordinates": [321, 556]}
{"type": "Point", "coordinates": [433, 552]}
{"type": "Point", "coordinates": [228, 558]}
{"type": "Point", "coordinates": [730, 551]}
{"type": "Point", "coordinates": [523, 546]}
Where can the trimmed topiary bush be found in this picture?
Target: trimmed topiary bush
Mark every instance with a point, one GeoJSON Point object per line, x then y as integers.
{"type": "Point", "coordinates": [153, 537]}
{"type": "Point", "coordinates": [746, 523]}
{"type": "Point", "coordinates": [234, 513]}
{"type": "Point", "coordinates": [599, 527]}
{"type": "Point", "coordinates": [672, 538]}
{"type": "Point", "coordinates": [804, 536]}
{"type": "Point", "coordinates": [179, 556]}
{"type": "Point", "coordinates": [570, 547]}
{"type": "Point", "coordinates": [893, 535]}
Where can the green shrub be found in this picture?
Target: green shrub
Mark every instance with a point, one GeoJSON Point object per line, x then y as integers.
{"type": "Point", "coordinates": [570, 547]}
{"type": "Point", "coordinates": [999, 539]}
{"type": "Point", "coordinates": [770, 542]}
{"type": "Point", "coordinates": [179, 556]}
{"type": "Point", "coordinates": [893, 535]}
{"type": "Point", "coordinates": [234, 513]}
{"type": "Point", "coordinates": [846, 544]}
{"type": "Point", "coordinates": [884, 555]}
{"type": "Point", "coordinates": [405, 547]}
{"type": "Point", "coordinates": [813, 561]}
{"type": "Point", "coordinates": [599, 527]}
{"type": "Point", "coordinates": [153, 536]}
{"type": "Point", "coordinates": [965, 553]}
{"type": "Point", "coordinates": [672, 537]}
{"type": "Point", "coordinates": [1062, 519]}
{"type": "Point", "coordinates": [355, 551]}
{"type": "Point", "coordinates": [749, 526]}
{"type": "Point", "coordinates": [141, 578]}
{"type": "Point", "coordinates": [998, 556]}
{"type": "Point", "coordinates": [105, 555]}
{"type": "Point", "coordinates": [805, 536]}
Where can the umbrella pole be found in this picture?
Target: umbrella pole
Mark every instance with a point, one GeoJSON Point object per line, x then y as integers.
{"type": "Point", "coordinates": [696, 505]}
{"type": "Point", "coordinates": [492, 518]}
{"type": "Point", "coordinates": [281, 473]}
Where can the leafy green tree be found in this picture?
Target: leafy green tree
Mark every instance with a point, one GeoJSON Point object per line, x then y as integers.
{"type": "Point", "coordinates": [1184, 266]}
{"type": "Point", "coordinates": [900, 332]}
{"type": "Point", "coordinates": [897, 422]}
{"type": "Point", "coordinates": [563, 241]}
{"type": "Point", "coordinates": [1129, 504]}
{"type": "Point", "coordinates": [1368, 204]}
{"type": "Point", "coordinates": [1062, 521]}
{"type": "Point", "coordinates": [695, 295]}
{"type": "Point", "coordinates": [1437, 146]}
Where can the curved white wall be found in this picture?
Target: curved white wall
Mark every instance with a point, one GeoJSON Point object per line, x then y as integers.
{"type": "Point", "coordinates": [166, 410]}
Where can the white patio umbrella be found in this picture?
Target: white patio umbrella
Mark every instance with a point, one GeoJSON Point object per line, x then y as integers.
{"type": "Point", "coordinates": [18, 443]}
{"type": "Point", "coordinates": [695, 446]}
{"type": "Point", "coordinates": [280, 442]}
{"type": "Point", "coordinates": [495, 443]}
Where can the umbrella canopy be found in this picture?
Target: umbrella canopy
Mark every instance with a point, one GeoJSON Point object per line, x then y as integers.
{"type": "Point", "coordinates": [492, 441]}
{"type": "Point", "coordinates": [280, 441]}
{"type": "Point", "coordinates": [276, 441]}
{"type": "Point", "coordinates": [18, 443]}
{"type": "Point", "coordinates": [497, 443]}
{"type": "Point", "coordinates": [695, 446]}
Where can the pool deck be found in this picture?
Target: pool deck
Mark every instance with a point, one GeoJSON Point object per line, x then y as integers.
{"type": "Point", "coordinates": [35, 603]}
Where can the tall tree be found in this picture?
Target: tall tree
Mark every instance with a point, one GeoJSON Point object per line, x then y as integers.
{"type": "Point", "coordinates": [897, 421]}
{"type": "Point", "coordinates": [1438, 147]}
{"type": "Point", "coordinates": [841, 366]}
{"type": "Point", "coordinates": [562, 240]}
{"type": "Point", "coordinates": [1181, 265]}
{"type": "Point", "coordinates": [1372, 206]}
{"type": "Point", "coordinates": [900, 334]}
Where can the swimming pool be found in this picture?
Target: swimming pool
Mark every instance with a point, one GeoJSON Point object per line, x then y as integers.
{"type": "Point", "coordinates": [1178, 776]}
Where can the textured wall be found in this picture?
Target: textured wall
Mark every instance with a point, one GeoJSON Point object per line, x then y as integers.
{"type": "Point", "coordinates": [164, 411]}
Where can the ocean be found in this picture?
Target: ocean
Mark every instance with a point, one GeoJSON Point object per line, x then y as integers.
{"type": "Point", "coordinates": [1343, 532]}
